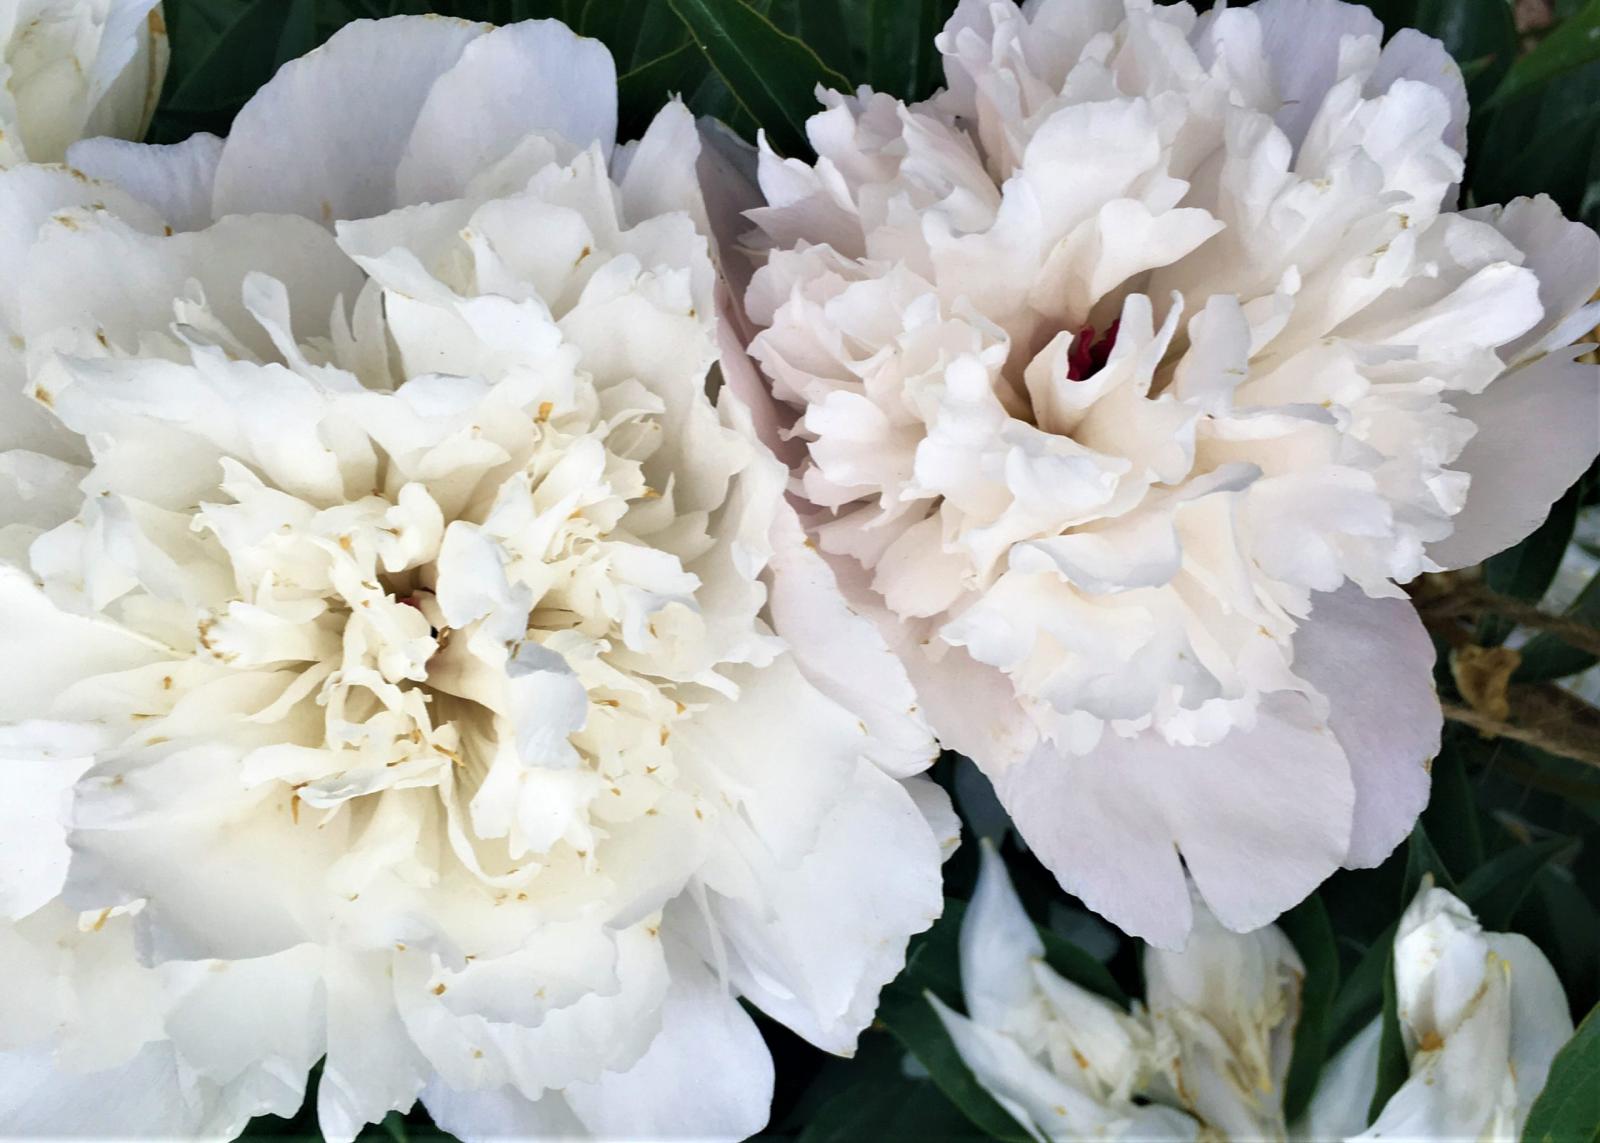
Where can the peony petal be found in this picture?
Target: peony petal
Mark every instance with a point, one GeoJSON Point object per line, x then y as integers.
{"type": "Point", "coordinates": [175, 180]}
{"type": "Point", "coordinates": [324, 137]}
{"type": "Point", "coordinates": [810, 954]}
{"type": "Point", "coordinates": [1373, 660]}
{"type": "Point", "coordinates": [998, 946]}
{"type": "Point", "coordinates": [708, 1075]}
{"type": "Point", "coordinates": [1566, 257]}
{"type": "Point", "coordinates": [1260, 819]}
{"type": "Point", "coordinates": [527, 78]}
{"type": "Point", "coordinates": [1301, 38]}
{"type": "Point", "coordinates": [1538, 430]}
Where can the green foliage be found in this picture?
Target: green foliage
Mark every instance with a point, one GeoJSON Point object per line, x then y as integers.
{"type": "Point", "coordinates": [1513, 827]}
{"type": "Point", "coordinates": [1568, 1110]}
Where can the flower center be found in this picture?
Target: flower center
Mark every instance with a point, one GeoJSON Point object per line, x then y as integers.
{"type": "Point", "coordinates": [1088, 354]}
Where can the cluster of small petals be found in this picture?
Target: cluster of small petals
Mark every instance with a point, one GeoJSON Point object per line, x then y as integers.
{"type": "Point", "coordinates": [396, 624]}
{"type": "Point", "coordinates": [1134, 371]}
{"type": "Point", "coordinates": [70, 69]}
{"type": "Point", "coordinates": [1207, 1053]}
{"type": "Point", "coordinates": [1204, 1056]}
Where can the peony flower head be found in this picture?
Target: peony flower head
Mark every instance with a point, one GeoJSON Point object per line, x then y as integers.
{"type": "Point", "coordinates": [1482, 1015]}
{"type": "Point", "coordinates": [1127, 377]}
{"type": "Point", "coordinates": [70, 69]}
{"type": "Point", "coordinates": [395, 624]}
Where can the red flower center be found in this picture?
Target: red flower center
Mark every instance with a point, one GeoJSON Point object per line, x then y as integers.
{"type": "Point", "coordinates": [1088, 355]}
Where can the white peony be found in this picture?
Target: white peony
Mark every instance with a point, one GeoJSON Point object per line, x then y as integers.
{"type": "Point", "coordinates": [393, 630]}
{"type": "Point", "coordinates": [1205, 1056]}
{"type": "Point", "coordinates": [70, 69]}
{"type": "Point", "coordinates": [1482, 1015]}
{"type": "Point", "coordinates": [1127, 377]}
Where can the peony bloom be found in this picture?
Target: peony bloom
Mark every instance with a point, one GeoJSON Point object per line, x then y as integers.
{"type": "Point", "coordinates": [75, 68]}
{"type": "Point", "coordinates": [1127, 377]}
{"type": "Point", "coordinates": [1206, 1058]}
{"type": "Point", "coordinates": [393, 630]}
{"type": "Point", "coordinates": [1482, 1016]}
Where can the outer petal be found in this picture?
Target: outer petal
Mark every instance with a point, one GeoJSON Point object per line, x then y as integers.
{"type": "Point", "coordinates": [1541, 1020]}
{"type": "Point", "coordinates": [1338, 1110]}
{"type": "Point", "coordinates": [1411, 55]}
{"type": "Point", "coordinates": [998, 944]}
{"type": "Point", "coordinates": [1566, 257]}
{"type": "Point", "coordinates": [324, 137]}
{"type": "Point", "coordinates": [812, 955]}
{"type": "Point", "coordinates": [707, 1075]}
{"type": "Point", "coordinates": [1373, 660]}
{"type": "Point", "coordinates": [529, 77]}
{"type": "Point", "coordinates": [1260, 819]}
{"type": "Point", "coordinates": [503, 1113]}
{"type": "Point", "coordinates": [843, 655]}
{"type": "Point", "coordinates": [1301, 38]}
{"type": "Point", "coordinates": [153, 1090]}
{"type": "Point", "coordinates": [174, 180]}
{"type": "Point", "coordinates": [1538, 430]}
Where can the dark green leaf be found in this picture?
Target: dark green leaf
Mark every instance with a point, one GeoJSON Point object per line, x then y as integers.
{"type": "Point", "coordinates": [1573, 43]}
{"type": "Point", "coordinates": [1495, 890]}
{"type": "Point", "coordinates": [1361, 995]}
{"type": "Point", "coordinates": [770, 73]}
{"type": "Point", "coordinates": [1393, 1065]}
{"type": "Point", "coordinates": [912, 1021]}
{"type": "Point", "coordinates": [642, 91]}
{"type": "Point", "coordinates": [1308, 927]}
{"type": "Point", "coordinates": [1423, 861]}
{"type": "Point", "coordinates": [890, 1107]}
{"type": "Point", "coordinates": [1451, 818]}
{"type": "Point", "coordinates": [1568, 1108]}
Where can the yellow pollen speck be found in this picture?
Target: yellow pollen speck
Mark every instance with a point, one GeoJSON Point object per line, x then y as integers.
{"type": "Point", "coordinates": [545, 409]}
{"type": "Point", "coordinates": [1431, 1041]}
{"type": "Point", "coordinates": [477, 1053]}
{"type": "Point", "coordinates": [42, 395]}
{"type": "Point", "coordinates": [438, 989]}
{"type": "Point", "coordinates": [166, 683]}
{"type": "Point", "coordinates": [666, 733]}
{"type": "Point", "coordinates": [100, 921]}
{"type": "Point", "coordinates": [347, 543]}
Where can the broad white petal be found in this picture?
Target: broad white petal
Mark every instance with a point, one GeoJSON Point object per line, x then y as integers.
{"type": "Point", "coordinates": [325, 135]}
{"type": "Point", "coordinates": [175, 180]}
{"type": "Point", "coordinates": [1373, 660]}
{"type": "Point", "coordinates": [526, 78]}
{"type": "Point", "coordinates": [706, 1075]}
{"type": "Point", "coordinates": [1260, 819]}
{"type": "Point", "coordinates": [1538, 430]}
